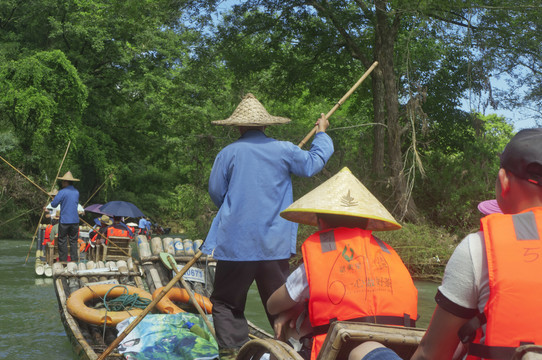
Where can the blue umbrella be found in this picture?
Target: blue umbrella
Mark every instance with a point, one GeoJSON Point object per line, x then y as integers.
{"type": "Point", "coordinates": [121, 208]}
{"type": "Point", "coordinates": [95, 208]}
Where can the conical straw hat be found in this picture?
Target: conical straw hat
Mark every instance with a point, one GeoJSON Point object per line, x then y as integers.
{"type": "Point", "coordinates": [68, 177]}
{"type": "Point", "coordinates": [250, 112]}
{"type": "Point", "coordinates": [53, 193]}
{"type": "Point", "coordinates": [342, 194]}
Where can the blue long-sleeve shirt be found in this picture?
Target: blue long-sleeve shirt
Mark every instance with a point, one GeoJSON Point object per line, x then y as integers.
{"type": "Point", "coordinates": [250, 183]}
{"type": "Point", "coordinates": [68, 198]}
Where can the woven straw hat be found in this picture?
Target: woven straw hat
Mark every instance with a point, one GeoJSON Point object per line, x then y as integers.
{"type": "Point", "coordinates": [104, 219]}
{"type": "Point", "coordinates": [250, 112]}
{"type": "Point", "coordinates": [53, 193]}
{"type": "Point", "coordinates": [342, 194]}
{"type": "Point", "coordinates": [68, 177]}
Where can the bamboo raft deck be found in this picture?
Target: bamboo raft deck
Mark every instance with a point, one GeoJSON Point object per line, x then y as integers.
{"type": "Point", "coordinates": [147, 273]}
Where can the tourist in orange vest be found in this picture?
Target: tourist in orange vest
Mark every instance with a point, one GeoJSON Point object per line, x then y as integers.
{"type": "Point", "coordinates": [347, 273]}
{"type": "Point", "coordinates": [96, 235]}
{"type": "Point", "coordinates": [51, 231]}
{"type": "Point", "coordinates": [490, 297]}
{"type": "Point", "coordinates": [118, 228]}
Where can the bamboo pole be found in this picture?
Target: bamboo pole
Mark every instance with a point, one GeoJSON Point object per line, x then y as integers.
{"type": "Point", "coordinates": [173, 266]}
{"type": "Point", "coordinates": [151, 306]}
{"type": "Point", "coordinates": [23, 175]}
{"type": "Point", "coordinates": [99, 187]}
{"type": "Point", "coordinates": [18, 216]}
{"type": "Point", "coordinates": [339, 103]}
{"type": "Point", "coordinates": [43, 211]}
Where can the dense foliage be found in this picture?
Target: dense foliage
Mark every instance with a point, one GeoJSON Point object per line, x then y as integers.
{"type": "Point", "coordinates": [135, 84]}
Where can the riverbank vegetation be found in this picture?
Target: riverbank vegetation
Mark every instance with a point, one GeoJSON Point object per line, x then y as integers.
{"type": "Point", "coordinates": [134, 86]}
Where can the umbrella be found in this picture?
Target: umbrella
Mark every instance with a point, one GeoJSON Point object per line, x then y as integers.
{"type": "Point", "coordinates": [95, 208]}
{"type": "Point", "coordinates": [121, 208]}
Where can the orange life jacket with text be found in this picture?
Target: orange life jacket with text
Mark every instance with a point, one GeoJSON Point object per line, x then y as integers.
{"type": "Point", "coordinates": [513, 312]}
{"type": "Point", "coordinates": [353, 276]}
{"type": "Point", "coordinates": [47, 235]}
{"type": "Point", "coordinates": [113, 230]}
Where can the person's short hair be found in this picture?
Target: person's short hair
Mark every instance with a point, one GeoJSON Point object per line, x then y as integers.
{"type": "Point", "coordinates": [336, 220]}
{"type": "Point", "coordinates": [523, 155]}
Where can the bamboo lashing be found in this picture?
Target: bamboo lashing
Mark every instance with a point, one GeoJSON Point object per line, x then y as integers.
{"type": "Point", "coordinates": [339, 103]}
{"type": "Point", "coordinates": [151, 306]}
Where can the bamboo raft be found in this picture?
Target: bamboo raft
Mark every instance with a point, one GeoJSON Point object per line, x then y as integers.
{"type": "Point", "coordinates": [148, 273]}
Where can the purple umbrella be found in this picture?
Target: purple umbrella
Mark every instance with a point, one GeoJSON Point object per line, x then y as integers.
{"type": "Point", "coordinates": [95, 208]}
{"type": "Point", "coordinates": [121, 208]}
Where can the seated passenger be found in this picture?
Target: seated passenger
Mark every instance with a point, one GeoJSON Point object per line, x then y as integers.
{"type": "Point", "coordinates": [97, 234]}
{"type": "Point", "coordinates": [347, 274]}
{"type": "Point", "coordinates": [118, 229]}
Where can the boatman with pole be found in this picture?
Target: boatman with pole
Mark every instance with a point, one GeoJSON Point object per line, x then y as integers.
{"type": "Point", "coordinates": [68, 228]}
{"type": "Point", "coordinates": [251, 184]}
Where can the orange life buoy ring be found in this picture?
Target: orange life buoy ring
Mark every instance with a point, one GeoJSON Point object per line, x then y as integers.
{"type": "Point", "coordinates": [77, 307]}
{"type": "Point", "coordinates": [167, 306]}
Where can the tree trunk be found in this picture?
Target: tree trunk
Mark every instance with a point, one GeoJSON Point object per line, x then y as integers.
{"type": "Point", "coordinates": [379, 129]}
{"type": "Point", "coordinates": [385, 38]}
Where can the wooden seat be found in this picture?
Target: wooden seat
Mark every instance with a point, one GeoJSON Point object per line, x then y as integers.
{"type": "Point", "coordinates": [118, 248]}
{"type": "Point", "coordinates": [528, 352]}
{"type": "Point", "coordinates": [342, 337]}
{"type": "Point", "coordinates": [51, 252]}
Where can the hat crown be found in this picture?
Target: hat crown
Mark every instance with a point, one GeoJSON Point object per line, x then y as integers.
{"type": "Point", "coordinates": [68, 177]}
{"type": "Point", "coordinates": [250, 112]}
{"type": "Point", "coordinates": [342, 194]}
{"type": "Point", "coordinates": [106, 219]}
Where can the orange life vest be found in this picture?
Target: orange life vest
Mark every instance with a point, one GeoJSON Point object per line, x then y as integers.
{"type": "Point", "coordinates": [47, 235]}
{"type": "Point", "coordinates": [354, 276]}
{"type": "Point", "coordinates": [113, 230]}
{"type": "Point", "coordinates": [513, 311]}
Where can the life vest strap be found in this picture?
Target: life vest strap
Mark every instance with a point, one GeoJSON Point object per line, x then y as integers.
{"type": "Point", "coordinates": [467, 332]}
{"type": "Point", "coordinates": [404, 320]}
{"type": "Point", "coordinates": [491, 352]}
{"type": "Point", "coordinates": [495, 352]}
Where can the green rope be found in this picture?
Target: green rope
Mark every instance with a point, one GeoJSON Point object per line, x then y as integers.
{"type": "Point", "coordinates": [125, 301]}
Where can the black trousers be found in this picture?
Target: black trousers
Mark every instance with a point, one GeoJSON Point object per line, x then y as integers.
{"type": "Point", "coordinates": [68, 232]}
{"type": "Point", "coordinates": [232, 282]}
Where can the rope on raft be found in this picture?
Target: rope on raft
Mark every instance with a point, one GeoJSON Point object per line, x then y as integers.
{"type": "Point", "coordinates": [125, 301]}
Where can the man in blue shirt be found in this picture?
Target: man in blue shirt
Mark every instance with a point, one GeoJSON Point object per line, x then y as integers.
{"type": "Point", "coordinates": [68, 228]}
{"type": "Point", "coordinates": [250, 183]}
{"type": "Point", "coordinates": [142, 226]}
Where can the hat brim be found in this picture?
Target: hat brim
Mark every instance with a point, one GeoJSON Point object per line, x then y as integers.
{"type": "Point", "coordinates": [272, 120]}
{"type": "Point", "coordinates": [310, 217]}
{"type": "Point", "coordinates": [68, 179]}
{"type": "Point", "coordinates": [489, 207]}
{"type": "Point", "coordinates": [344, 195]}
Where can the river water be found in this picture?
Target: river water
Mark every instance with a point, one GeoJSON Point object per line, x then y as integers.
{"type": "Point", "coordinates": [30, 326]}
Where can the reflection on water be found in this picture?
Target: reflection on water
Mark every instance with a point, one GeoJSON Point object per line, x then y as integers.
{"type": "Point", "coordinates": [30, 326]}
